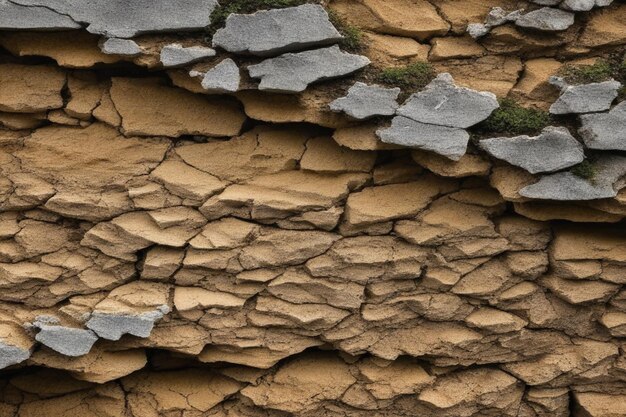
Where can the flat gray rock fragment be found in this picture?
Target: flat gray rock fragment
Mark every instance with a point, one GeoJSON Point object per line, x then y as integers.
{"type": "Point", "coordinates": [554, 149]}
{"type": "Point", "coordinates": [176, 55]}
{"type": "Point", "coordinates": [606, 131]}
{"type": "Point", "coordinates": [584, 5]}
{"type": "Point", "coordinates": [447, 141]}
{"type": "Point", "coordinates": [124, 47]}
{"type": "Point", "coordinates": [364, 101]}
{"type": "Point", "coordinates": [65, 340]}
{"type": "Point", "coordinates": [443, 103]}
{"type": "Point", "coordinates": [113, 326]}
{"type": "Point", "coordinates": [222, 78]}
{"type": "Point", "coordinates": [565, 186]}
{"type": "Point", "coordinates": [17, 17]}
{"type": "Point", "coordinates": [129, 18]}
{"type": "Point", "coordinates": [12, 355]}
{"type": "Point", "coordinates": [546, 19]}
{"type": "Point", "coordinates": [272, 32]}
{"type": "Point", "coordinates": [497, 17]}
{"type": "Point", "coordinates": [585, 98]}
{"type": "Point", "coordinates": [293, 72]}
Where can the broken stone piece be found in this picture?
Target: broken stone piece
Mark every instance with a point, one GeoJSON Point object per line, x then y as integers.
{"type": "Point", "coordinates": [176, 55]}
{"type": "Point", "coordinates": [565, 186]}
{"type": "Point", "coordinates": [605, 130]}
{"type": "Point", "coordinates": [584, 5]}
{"type": "Point", "coordinates": [364, 101]}
{"type": "Point", "coordinates": [293, 72]}
{"type": "Point", "coordinates": [586, 98]}
{"type": "Point", "coordinates": [126, 47]}
{"type": "Point", "coordinates": [129, 19]}
{"type": "Point", "coordinates": [443, 103]}
{"type": "Point", "coordinates": [222, 78]}
{"type": "Point", "coordinates": [554, 149]}
{"type": "Point", "coordinates": [447, 141]}
{"type": "Point", "coordinates": [497, 17]}
{"type": "Point", "coordinates": [68, 341]}
{"type": "Point", "coordinates": [546, 19]}
{"type": "Point", "coordinates": [271, 32]}
{"type": "Point", "coordinates": [112, 326]}
{"type": "Point", "coordinates": [14, 16]}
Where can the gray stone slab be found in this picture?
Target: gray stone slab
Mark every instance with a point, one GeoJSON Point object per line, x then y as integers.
{"type": "Point", "coordinates": [272, 32]}
{"type": "Point", "coordinates": [364, 101]}
{"type": "Point", "coordinates": [497, 16]}
{"type": "Point", "coordinates": [223, 78]}
{"type": "Point", "coordinates": [447, 141]}
{"type": "Point", "coordinates": [113, 326]}
{"type": "Point", "coordinates": [18, 17]}
{"type": "Point", "coordinates": [584, 98]}
{"type": "Point", "coordinates": [443, 103]}
{"type": "Point", "coordinates": [553, 150]}
{"type": "Point", "coordinates": [66, 340]}
{"type": "Point", "coordinates": [584, 5]}
{"type": "Point", "coordinates": [176, 55]}
{"type": "Point", "coordinates": [546, 19]}
{"type": "Point", "coordinates": [293, 72]}
{"type": "Point", "coordinates": [12, 355]}
{"type": "Point", "coordinates": [129, 18]}
{"type": "Point", "coordinates": [125, 47]}
{"type": "Point", "coordinates": [565, 186]}
{"type": "Point", "coordinates": [606, 131]}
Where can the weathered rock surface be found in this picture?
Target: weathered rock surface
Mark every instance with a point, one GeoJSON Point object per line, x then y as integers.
{"type": "Point", "coordinates": [587, 98]}
{"type": "Point", "coordinates": [115, 46]}
{"type": "Point", "coordinates": [605, 131]}
{"type": "Point", "coordinates": [293, 72]}
{"type": "Point", "coordinates": [223, 78]}
{"type": "Point", "coordinates": [364, 101]}
{"type": "Point", "coordinates": [546, 19]}
{"type": "Point", "coordinates": [553, 150]}
{"type": "Point", "coordinates": [175, 55]}
{"type": "Point", "coordinates": [276, 31]}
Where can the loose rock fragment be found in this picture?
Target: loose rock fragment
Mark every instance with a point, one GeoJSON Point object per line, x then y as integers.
{"type": "Point", "coordinates": [442, 103]}
{"type": "Point", "coordinates": [554, 149]}
{"type": "Point", "coordinates": [605, 131]}
{"type": "Point", "coordinates": [65, 340]}
{"type": "Point", "coordinates": [176, 55]}
{"type": "Point", "coordinates": [497, 16]}
{"type": "Point", "coordinates": [546, 19]}
{"type": "Point", "coordinates": [126, 47]}
{"type": "Point", "coordinates": [293, 72]}
{"type": "Point", "coordinates": [276, 31]}
{"type": "Point", "coordinates": [223, 78]}
{"type": "Point", "coordinates": [586, 98]}
{"type": "Point", "coordinates": [113, 326]}
{"type": "Point", "coordinates": [364, 101]}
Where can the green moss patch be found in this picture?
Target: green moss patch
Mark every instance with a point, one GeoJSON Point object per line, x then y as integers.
{"type": "Point", "coordinates": [352, 36]}
{"type": "Point", "coordinates": [513, 119]}
{"type": "Point", "coordinates": [411, 77]}
{"type": "Point", "coordinates": [586, 170]}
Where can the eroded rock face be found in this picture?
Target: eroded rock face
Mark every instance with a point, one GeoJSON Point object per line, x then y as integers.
{"type": "Point", "coordinates": [175, 242]}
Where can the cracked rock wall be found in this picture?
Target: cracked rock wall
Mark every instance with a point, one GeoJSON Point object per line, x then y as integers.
{"type": "Point", "coordinates": [297, 208]}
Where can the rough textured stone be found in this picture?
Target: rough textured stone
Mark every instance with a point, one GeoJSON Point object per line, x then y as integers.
{"type": "Point", "coordinates": [276, 31]}
{"type": "Point", "coordinates": [65, 340]}
{"type": "Point", "coordinates": [584, 5]}
{"type": "Point", "coordinates": [565, 186]}
{"type": "Point", "coordinates": [546, 19]}
{"type": "Point", "coordinates": [587, 98]}
{"type": "Point", "coordinates": [293, 72]}
{"type": "Point", "coordinates": [443, 103]}
{"type": "Point", "coordinates": [29, 89]}
{"type": "Point", "coordinates": [554, 149]}
{"type": "Point", "coordinates": [126, 47]}
{"type": "Point", "coordinates": [364, 101]}
{"type": "Point", "coordinates": [113, 326]}
{"type": "Point", "coordinates": [447, 141]}
{"type": "Point", "coordinates": [176, 55]}
{"type": "Point", "coordinates": [126, 20]}
{"type": "Point", "coordinates": [222, 78]}
{"type": "Point", "coordinates": [605, 131]}
{"type": "Point", "coordinates": [416, 19]}
{"type": "Point", "coordinates": [14, 16]}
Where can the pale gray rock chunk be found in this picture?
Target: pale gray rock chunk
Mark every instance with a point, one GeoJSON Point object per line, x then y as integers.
{"type": "Point", "coordinates": [223, 78]}
{"type": "Point", "coordinates": [176, 55]}
{"type": "Point", "coordinates": [584, 5]}
{"type": "Point", "coordinates": [129, 18]}
{"type": "Point", "coordinates": [112, 326]}
{"type": "Point", "coordinates": [17, 17]}
{"type": "Point", "coordinates": [271, 32]}
{"type": "Point", "coordinates": [124, 47]}
{"type": "Point", "coordinates": [605, 131]}
{"type": "Point", "coordinates": [547, 2]}
{"type": "Point", "coordinates": [497, 17]}
{"type": "Point", "coordinates": [478, 30]}
{"type": "Point", "coordinates": [293, 72]}
{"type": "Point", "coordinates": [585, 98]}
{"type": "Point", "coordinates": [554, 149]}
{"type": "Point", "coordinates": [12, 355]}
{"type": "Point", "coordinates": [546, 19]}
{"type": "Point", "coordinates": [443, 103]}
{"type": "Point", "coordinates": [447, 141]}
{"type": "Point", "coordinates": [565, 186]}
{"type": "Point", "coordinates": [364, 101]}
{"type": "Point", "coordinates": [65, 340]}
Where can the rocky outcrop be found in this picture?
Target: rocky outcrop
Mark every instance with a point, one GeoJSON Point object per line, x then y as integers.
{"type": "Point", "coordinates": [303, 208]}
